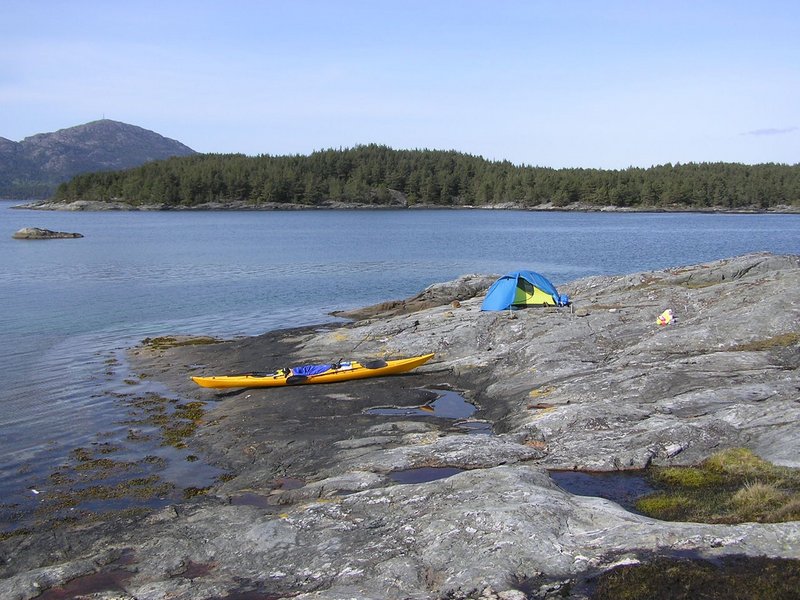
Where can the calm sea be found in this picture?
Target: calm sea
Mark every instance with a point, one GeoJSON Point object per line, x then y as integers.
{"type": "Point", "coordinates": [69, 308]}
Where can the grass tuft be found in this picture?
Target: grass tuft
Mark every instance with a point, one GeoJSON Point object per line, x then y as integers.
{"type": "Point", "coordinates": [738, 463]}
{"type": "Point", "coordinates": [667, 507]}
{"type": "Point", "coordinates": [690, 477]}
{"type": "Point", "coordinates": [732, 486]}
{"type": "Point", "coordinates": [757, 501]}
{"type": "Point", "coordinates": [783, 340]}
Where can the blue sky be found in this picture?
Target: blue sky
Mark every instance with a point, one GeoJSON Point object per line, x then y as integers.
{"type": "Point", "coordinates": [541, 82]}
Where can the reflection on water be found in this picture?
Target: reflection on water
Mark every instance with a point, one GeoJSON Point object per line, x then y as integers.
{"type": "Point", "coordinates": [447, 405]}
{"type": "Point", "coordinates": [423, 474]}
{"type": "Point", "coordinates": [622, 487]}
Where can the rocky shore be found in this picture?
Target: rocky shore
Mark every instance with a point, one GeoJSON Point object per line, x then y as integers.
{"type": "Point", "coordinates": [312, 506]}
{"type": "Point", "coordinates": [36, 233]}
{"type": "Point", "coordinates": [399, 203]}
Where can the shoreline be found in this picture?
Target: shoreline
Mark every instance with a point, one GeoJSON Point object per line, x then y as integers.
{"type": "Point", "coordinates": [84, 205]}
{"type": "Point", "coordinates": [598, 387]}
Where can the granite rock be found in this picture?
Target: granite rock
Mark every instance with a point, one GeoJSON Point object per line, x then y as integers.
{"type": "Point", "coordinates": [35, 233]}
{"type": "Point", "coordinates": [595, 386]}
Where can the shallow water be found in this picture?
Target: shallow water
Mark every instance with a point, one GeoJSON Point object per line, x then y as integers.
{"type": "Point", "coordinates": [447, 405]}
{"type": "Point", "coordinates": [622, 487]}
{"type": "Point", "coordinates": [423, 474]}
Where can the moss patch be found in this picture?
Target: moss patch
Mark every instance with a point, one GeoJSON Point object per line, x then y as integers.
{"type": "Point", "coordinates": [779, 341]}
{"type": "Point", "coordinates": [698, 284]}
{"type": "Point", "coordinates": [667, 507]}
{"type": "Point", "coordinates": [687, 477]}
{"type": "Point", "coordinates": [733, 486]}
{"type": "Point", "coordinates": [733, 578]}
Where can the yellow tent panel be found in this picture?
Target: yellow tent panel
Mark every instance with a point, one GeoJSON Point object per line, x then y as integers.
{"type": "Point", "coordinates": [528, 294]}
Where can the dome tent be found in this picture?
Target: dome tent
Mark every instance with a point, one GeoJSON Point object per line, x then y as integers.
{"type": "Point", "coordinates": [520, 289]}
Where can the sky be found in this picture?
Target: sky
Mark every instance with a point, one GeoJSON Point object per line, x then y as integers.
{"type": "Point", "coordinates": [554, 83]}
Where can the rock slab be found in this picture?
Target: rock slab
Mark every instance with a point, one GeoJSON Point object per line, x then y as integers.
{"type": "Point", "coordinates": [35, 233]}
{"type": "Point", "coordinates": [600, 387]}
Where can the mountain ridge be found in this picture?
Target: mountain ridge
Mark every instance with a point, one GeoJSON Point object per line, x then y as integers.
{"type": "Point", "coordinates": [33, 167]}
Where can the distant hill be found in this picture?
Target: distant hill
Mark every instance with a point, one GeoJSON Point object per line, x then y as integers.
{"type": "Point", "coordinates": [34, 167]}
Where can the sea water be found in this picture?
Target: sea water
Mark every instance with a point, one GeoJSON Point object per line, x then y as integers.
{"type": "Point", "coordinates": [70, 308]}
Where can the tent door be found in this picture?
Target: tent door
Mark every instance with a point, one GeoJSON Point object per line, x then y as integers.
{"type": "Point", "coordinates": [528, 294]}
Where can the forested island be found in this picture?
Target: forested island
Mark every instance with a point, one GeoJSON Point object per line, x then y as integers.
{"type": "Point", "coordinates": [377, 175]}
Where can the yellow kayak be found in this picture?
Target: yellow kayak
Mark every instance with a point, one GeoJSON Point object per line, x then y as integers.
{"type": "Point", "coordinates": [343, 371]}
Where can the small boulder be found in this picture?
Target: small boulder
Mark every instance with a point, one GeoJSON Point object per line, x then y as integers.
{"type": "Point", "coordinates": [35, 233]}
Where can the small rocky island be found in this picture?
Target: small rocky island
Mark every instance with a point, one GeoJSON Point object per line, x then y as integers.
{"type": "Point", "coordinates": [313, 505]}
{"type": "Point", "coordinates": [35, 233]}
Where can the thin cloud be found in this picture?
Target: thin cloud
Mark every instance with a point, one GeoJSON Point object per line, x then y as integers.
{"type": "Point", "coordinates": [771, 131]}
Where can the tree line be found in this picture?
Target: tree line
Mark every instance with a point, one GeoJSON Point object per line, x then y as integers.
{"type": "Point", "coordinates": [378, 175]}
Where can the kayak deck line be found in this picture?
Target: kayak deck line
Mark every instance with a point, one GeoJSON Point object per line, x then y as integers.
{"type": "Point", "coordinates": [310, 374]}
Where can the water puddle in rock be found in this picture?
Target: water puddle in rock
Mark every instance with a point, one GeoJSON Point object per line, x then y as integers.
{"type": "Point", "coordinates": [477, 427]}
{"type": "Point", "coordinates": [89, 585]}
{"type": "Point", "coordinates": [447, 405]}
{"type": "Point", "coordinates": [622, 487]}
{"type": "Point", "coordinates": [195, 570]}
{"type": "Point", "coordinates": [251, 499]}
{"type": "Point", "coordinates": [423, 474]}
{"type": "Point", "coordinates": [263, 500]}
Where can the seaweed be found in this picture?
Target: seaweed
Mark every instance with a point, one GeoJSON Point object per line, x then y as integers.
{"type": "Point", "coordinates": [166, 342]}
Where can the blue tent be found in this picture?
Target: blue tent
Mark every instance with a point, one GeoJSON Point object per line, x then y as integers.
{"type": "Point", "coordinates": [520, 289]}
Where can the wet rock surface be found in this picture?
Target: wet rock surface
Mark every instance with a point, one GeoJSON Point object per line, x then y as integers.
{"type": "Point", "coordinates": [310, 508]}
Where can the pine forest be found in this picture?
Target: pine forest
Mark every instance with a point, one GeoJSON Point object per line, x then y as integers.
{"type": "Point", "coordinates": [377, 175]}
